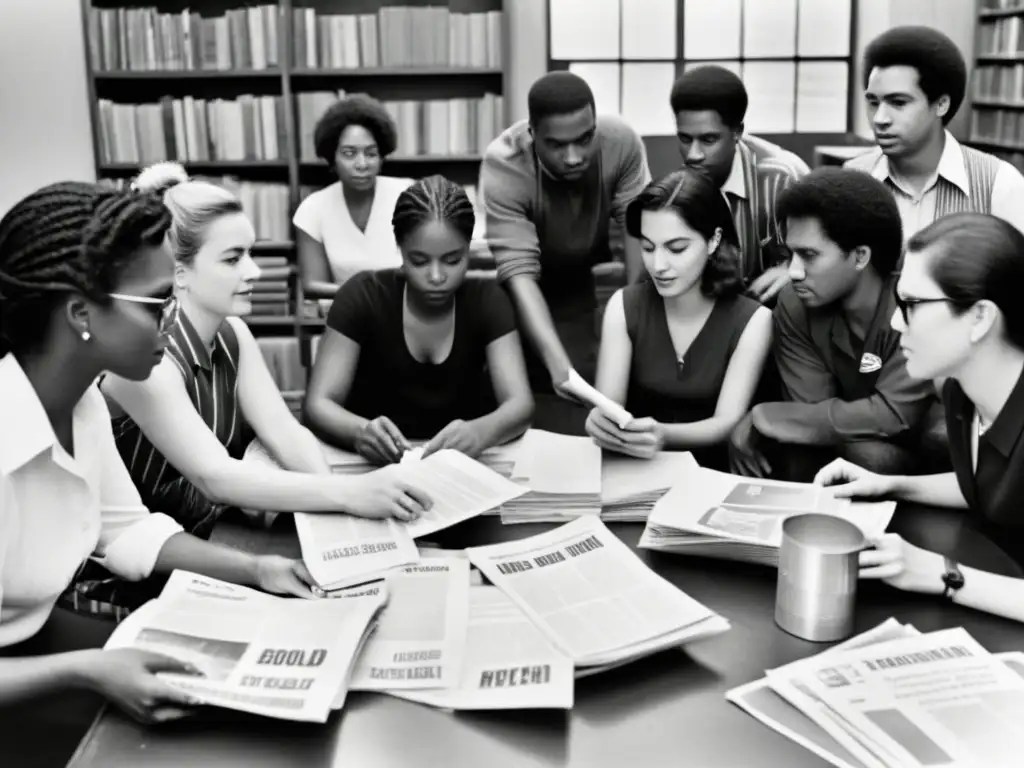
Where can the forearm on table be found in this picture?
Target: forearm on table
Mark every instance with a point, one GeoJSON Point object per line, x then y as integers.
{"type": "Point", "coordinates": [333, 423]}
{"type": "Point", "coordinates": [187, 553]}
{"type": "Point", "coordinates": [507, 421]}
{"type": "Point", "coordinates": [298, 450]}
{"type": "Point", "coordinates": [931, 490]}
{"type": "Point", "coordinates": [536, 319]}
{"type": "Point", "coordinates": [991, 593]}
{"type": "Point", "coordinates": [241, 484]}
{"type": "Point", "coordinates": [698, 434]}
{"type": "Point", "coordinates": [31, 676]}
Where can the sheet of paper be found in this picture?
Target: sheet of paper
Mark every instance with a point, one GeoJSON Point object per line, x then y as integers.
{"type": "Point", "coordinates": [821, 96]}
{"type": "Point", "coordinates": [771, 87]}
{"type": "Point", "coordinates": [577, 386]}
{"type": "Point", "coordinates": [623, 477]}
{"type": "Point", "coordinates": [711, 29]}
{"type": "Point", "coordinates": [509, 662]}
{"type": "Point", "coordinates": [605, 80]}
{"type": "Point", "coordinates": [559, 464]}
{"type": "Point", "coordinates": [649, 29]}
{"type": "Point", "coordinates": [824, 28]}
{"type": "Point", "coordinates": [460, 488]}
{"type": "Point", "coordinates": [646, 108]}
{"type": "Point", "coordinates": [769, 28]}
{"type": "Point", "coordinates": [584, 29]}
{"type": "Point", "coordinates": [421, 634]}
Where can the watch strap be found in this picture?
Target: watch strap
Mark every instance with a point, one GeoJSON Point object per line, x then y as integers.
{"type": "Point", "coordinates": [952, 578]}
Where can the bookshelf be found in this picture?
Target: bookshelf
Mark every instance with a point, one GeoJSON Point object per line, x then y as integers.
{"type": "Point", "coordinates": [233, 91]}
{"type": "Point", "coordinates": [997, 87]}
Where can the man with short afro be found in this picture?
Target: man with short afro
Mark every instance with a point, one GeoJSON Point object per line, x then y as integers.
{"type": "Point", "coordinates": [914, 83]}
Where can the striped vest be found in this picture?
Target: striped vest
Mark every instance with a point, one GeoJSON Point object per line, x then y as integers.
{"type": "Point", "coordinates": [949, 198]}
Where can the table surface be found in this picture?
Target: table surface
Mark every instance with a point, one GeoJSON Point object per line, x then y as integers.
{"type": "Point", "coordinates": [668, 709]}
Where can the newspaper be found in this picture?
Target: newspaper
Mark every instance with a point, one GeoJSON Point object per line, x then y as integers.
{"type": "Point", "coordinates": [759, 700]}
{"type": "Point", "coordinates": [562, 477]}
{"type": "Point", "coordinates": [421, 635]}
{"type": "Point", "coordinates": [936, 699]}
{"type": "Point", "coordinates": [509, 662]}
{"type": "Point", "coordinates": [591, 596]}
{"type": "Point", "coordinates": [630, 486]}
{"type": "Point", "coordinates": [721, 515]}
{"type": "Point", "coordinates": [273, 656]}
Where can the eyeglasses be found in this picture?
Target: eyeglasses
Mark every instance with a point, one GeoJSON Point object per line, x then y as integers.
{"type": "Point", "coordinates": [905, 305]}
{"type": "Point", "coordinates": [168, 307]}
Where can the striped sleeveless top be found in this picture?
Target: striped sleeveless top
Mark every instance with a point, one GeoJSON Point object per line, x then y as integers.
{"type": "Point", "coordinates": [210, 377]}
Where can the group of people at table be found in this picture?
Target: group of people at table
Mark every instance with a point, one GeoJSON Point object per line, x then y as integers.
{"type": "Point", "coordinates": [857, 327]}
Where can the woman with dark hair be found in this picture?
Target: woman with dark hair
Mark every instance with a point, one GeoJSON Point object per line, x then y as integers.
{"type": "Point", "coordinates": [682, 350]}
{"type": "Point", "coordinates": [346, 227]}
{"type": "Point", "coordinates": [86, 287]}
{"type": "Point", "coordinates": [961, 319]}
{"type": "Point", "coordinates": [405, 350]}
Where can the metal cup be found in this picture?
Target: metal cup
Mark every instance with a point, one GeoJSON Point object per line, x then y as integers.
{"type": "Point", "coordinates": [818, 569]}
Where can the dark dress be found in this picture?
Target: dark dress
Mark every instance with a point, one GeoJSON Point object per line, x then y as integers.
{"type": "Point", "coordinates": [420, 398]}
{"type": "Point", "coordinates": [674, 392]}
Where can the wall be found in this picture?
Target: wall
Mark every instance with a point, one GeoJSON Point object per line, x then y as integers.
{"type": "Point", "coordinates": [45, 132]}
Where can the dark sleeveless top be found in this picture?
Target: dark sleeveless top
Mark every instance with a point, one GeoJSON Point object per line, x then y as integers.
{"type": "Point", "coordinates": [675, 392]}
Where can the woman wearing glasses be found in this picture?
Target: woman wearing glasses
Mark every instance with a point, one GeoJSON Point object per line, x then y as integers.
{"type": "Point", "coordinates": [183, 431]}
{"type": "Point", "coordinates": [961, 318]}
{"type": "Point", "coordinates": [84, 282]}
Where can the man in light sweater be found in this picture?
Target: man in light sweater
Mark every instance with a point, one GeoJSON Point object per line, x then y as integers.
{"type": "Point", "coordinates": [555, 189]}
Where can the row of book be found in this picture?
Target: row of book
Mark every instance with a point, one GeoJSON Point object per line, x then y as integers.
{"type": "Point", "coordinates": [425, 127]}
{"type": "Point", "coordinates": [1001, 37]}
{"type": "Point", "coordinates": [1002, 83]}
{"type": "Point", "coordinates": [271, 293]}
{"type": "Point", "coordinates": [1002, 5]}
{"type": "Point", "coordinates": [1004, 126]}
{"type": "Point", "coordinates": [144, 39]}
{"type": "Point", "coordinates": [191, 129]}
{"type": "Point", "coordinates": [397, 36]}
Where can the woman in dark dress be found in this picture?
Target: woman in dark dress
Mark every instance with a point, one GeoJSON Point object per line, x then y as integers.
{"type": "Point", "coordinates": [962, 320]}
{"type": "Point", "coordinates": [405, 351]}
{"type": "Point", "coordinates": [683, 350]}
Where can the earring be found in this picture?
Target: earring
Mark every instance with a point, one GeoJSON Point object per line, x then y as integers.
{"type": "Point", "coordinates": [86, 336]}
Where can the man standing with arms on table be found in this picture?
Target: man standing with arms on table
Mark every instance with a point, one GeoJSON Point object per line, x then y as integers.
{"type": "Point", "coordinates": [914, 82]}
{"type": "Point", "coordinates": [710, 104]}
{"type": "Point", "coordinates": [551, 186]}
{"type": "Point", "coordinates": [845, 386]}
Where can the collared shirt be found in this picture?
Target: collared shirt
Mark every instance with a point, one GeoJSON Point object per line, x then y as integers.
{"type": "Point", "coordinates": [56, 509]}
{"type": "Point", "coordinates": [994, 491]}
{"type": "Point", "coordinates": [919, 209]}
{"type": "Point", "coordinates": [508, 188]}
{"type": "Point", "coordinates": [210, 378]}
{"type": "Point", "coordinates": [760, 172]}
{"type": "Point", "coordinates": [852, 396]}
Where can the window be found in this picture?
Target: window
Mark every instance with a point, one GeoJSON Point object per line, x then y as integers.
{"type": "Point", "coordinates": [793, 56]}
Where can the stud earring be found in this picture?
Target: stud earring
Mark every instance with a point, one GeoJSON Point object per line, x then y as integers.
{"type": "Point", "coordinates": [86, 336]}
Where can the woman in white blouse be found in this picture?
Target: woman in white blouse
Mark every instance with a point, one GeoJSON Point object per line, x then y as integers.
{"type": "Point", "coordinates": [86, 286]}
{"type": "Point", "coordinates": [346, 227]}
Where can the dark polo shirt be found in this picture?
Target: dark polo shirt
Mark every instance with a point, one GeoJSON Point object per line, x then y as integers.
{"type": "Point", "coordinates": [995, 491]}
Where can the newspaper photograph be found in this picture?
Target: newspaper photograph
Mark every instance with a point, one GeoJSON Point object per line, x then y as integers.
{"type": "Point", "coordinates": [420, 637]}
{"type": "Point", "coordinates": [509, 663]}
{"type": "Point", "coordinates": [939, 699]}
{"type": "Point", "coordinates": [278, 657]}
{"type": "Point", "coordinates": [591, 596]}
{"type": "Point", "coordinates": [743, 510]}
{"type": "Point", "coordinates": [340, 550]}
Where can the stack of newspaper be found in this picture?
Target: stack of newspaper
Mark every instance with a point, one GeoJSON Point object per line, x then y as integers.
{"type": "Point", "coordinates": [715, 514]}
{"type": "Point", "coordinates": [272, 656]}
{"type": "Point", "coordinates": [562, 474]}
{"type": "Point", "coordinates": [630, 487]}
{"type": "Point", "coordinates": [895, 698]}
{"type": "Point", "coordinates": [592, 597]}
{"type": "Point", "coordinates": [500, 458]}
{"type": "Point", "coordinates": [341, 550]}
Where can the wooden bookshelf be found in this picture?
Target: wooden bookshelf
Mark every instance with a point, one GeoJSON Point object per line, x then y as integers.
{"type": "Point", "coordinates": [997, 85]}
{"type": "Point", "coordinates": [145, 62]}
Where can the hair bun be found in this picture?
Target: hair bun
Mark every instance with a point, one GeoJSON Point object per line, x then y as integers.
{"type": "Point", "coordinates": [159, 177]}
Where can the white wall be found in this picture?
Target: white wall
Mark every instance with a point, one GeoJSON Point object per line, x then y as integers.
{"type": "Point", "coordinates": [45, 132]}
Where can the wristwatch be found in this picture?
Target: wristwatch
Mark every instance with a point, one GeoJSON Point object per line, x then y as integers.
{"type": "Point", "coordinates": [953, 578]}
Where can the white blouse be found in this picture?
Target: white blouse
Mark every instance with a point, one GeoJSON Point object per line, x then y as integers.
{"type": "Point", "coordinates": [56, 510]}
{"type": "Point", "coordinates": [325, 217]}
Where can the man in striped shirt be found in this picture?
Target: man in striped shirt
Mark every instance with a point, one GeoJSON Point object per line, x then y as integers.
{"type": "Point", "coordinates": [710, 104]}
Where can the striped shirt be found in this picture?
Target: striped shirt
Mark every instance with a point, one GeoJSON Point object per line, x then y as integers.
{"type": "Point", "coordinates": [210, 378]}
{"type": "Point", "coordinates": [760, 171]}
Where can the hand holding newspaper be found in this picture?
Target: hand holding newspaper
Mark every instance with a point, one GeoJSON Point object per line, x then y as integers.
{"type": "Point", "coordinates": [258, 653]}
{"type": "Point", "coordinates": [591, 596]}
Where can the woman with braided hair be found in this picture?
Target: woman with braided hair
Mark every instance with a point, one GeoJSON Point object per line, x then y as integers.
{"type": "Point", "coordinates": [405, 350]}
{"type": "Point", "coordinates": [86, 287]}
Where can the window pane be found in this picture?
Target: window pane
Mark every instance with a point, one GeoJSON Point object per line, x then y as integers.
{"type": "Point", "coordinates": [771, 88]}
{"type": "Point", "coordinates": [769, 28]}
{"type": "Point", "coordinates": [645, 98]}
{"type": "Point", "coordinates": [824, 28]}
{"type": "Point", "coordinates": [604, 80]}
{"type": "Point", "coordinates": [711, 29]}
{"type": "Point", "coordinates": [649, 29]}
{"type": "Point", "coordinates": [821, 101]}
{"type": "Point", "coordinates": [584, 29]}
